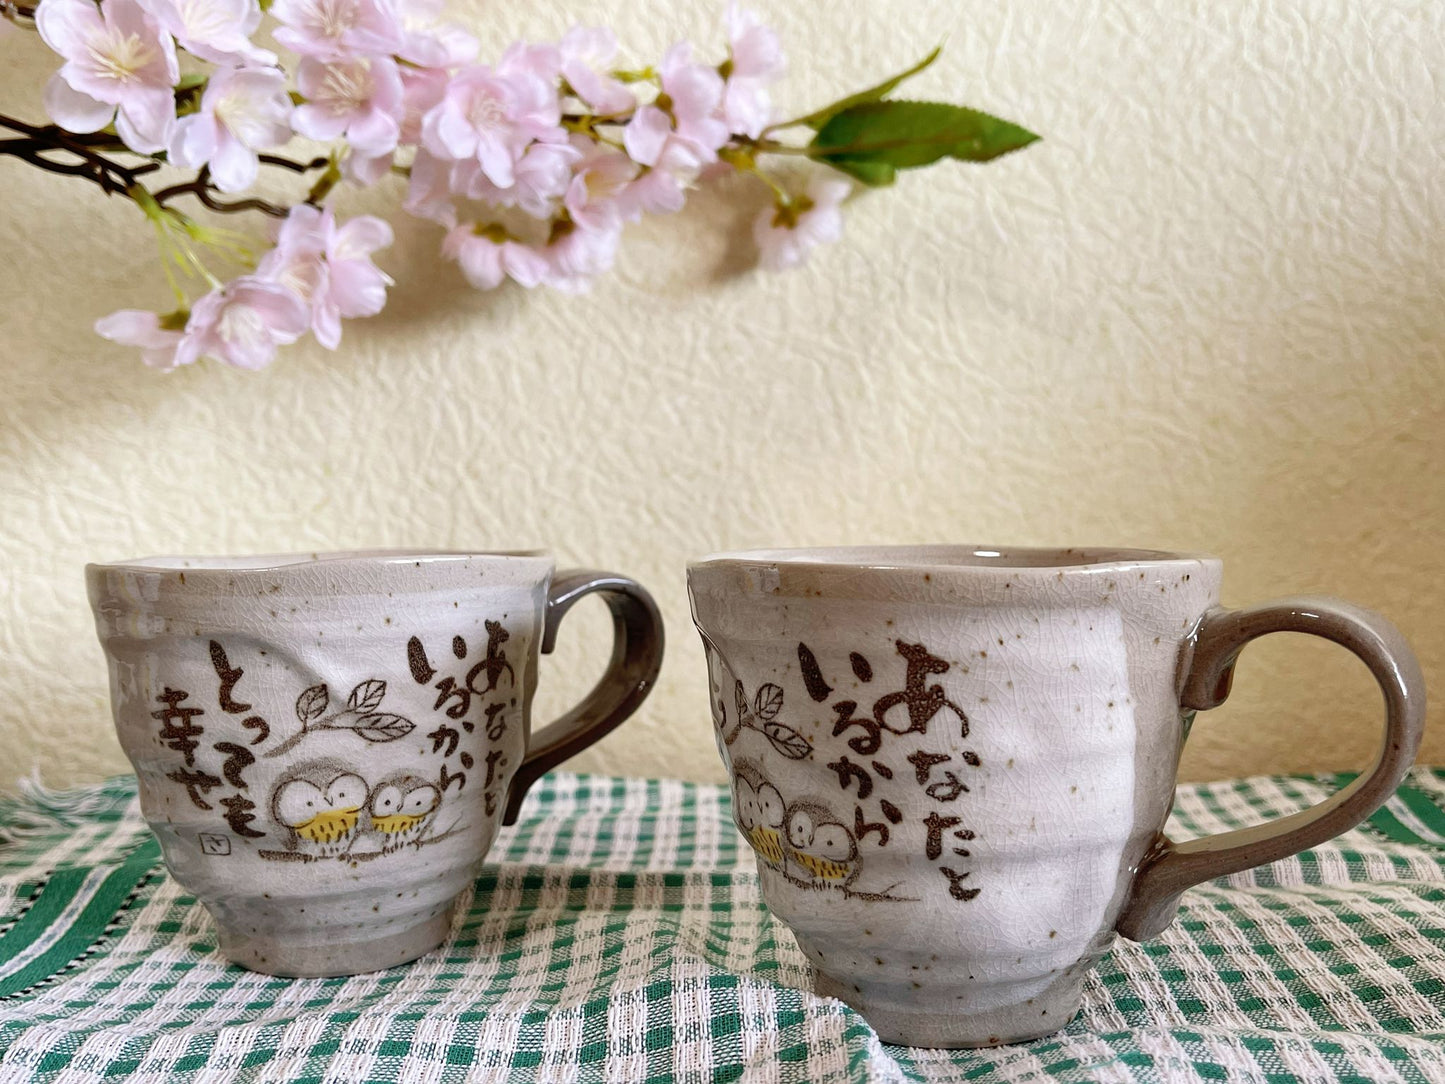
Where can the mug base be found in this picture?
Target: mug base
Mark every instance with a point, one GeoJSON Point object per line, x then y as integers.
{"type": "Point", "coordinates": [963, 1028]}
{"type": "Point", "coordinates": [285, 958]}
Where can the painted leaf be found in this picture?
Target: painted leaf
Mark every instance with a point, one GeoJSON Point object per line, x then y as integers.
{"type": "Point", "coordinates": [862, 668]}
{"type": "Point", "coordinates": [787, 741]}
{"type": "Point", "coordinates": [769, 701]}
{"type": "Point", "coordinates": [367, 696]}
{"type": "Point", "coordinates": [740, 701]}
{"type": "Point", "coordinates": [312, 703]}
{"type": "Point", "coordinates": [817, 688]}
{"type": "Point", "coordinates": [381, 727]}
{"type": "Point", "coordinates": [872, 140]}
{"type": "Point", "coordinates": [872, 94]}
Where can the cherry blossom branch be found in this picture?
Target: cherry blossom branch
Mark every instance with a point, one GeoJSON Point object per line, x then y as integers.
{"type": "Point", "coordinates": [12, 11]}
{"type": "Point", "coordinates": [113, 177]}
{"type": "Point", "coordinates": [534, 163]}
{"type": "Point", "coordinates": [117, 179]}
{"type": "Point", "coordinates": [201, 188]}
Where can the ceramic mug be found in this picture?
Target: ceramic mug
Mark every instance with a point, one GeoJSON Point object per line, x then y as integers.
{"type": "Point", "coordinates": [326, 744]}
{"type": "Point", "coordinates": [955, 763]}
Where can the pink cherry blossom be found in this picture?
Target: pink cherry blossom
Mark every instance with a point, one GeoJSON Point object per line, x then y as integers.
{"type": "Point", "coordinates": [157, 338]}
{"type": "Point", "coordinates": [575, 254]}
{"type": "Point", "coordinates": [541, 61]}
{"type": "Point", "coordinates": [329, 267]}
{"type": "Point", "coordinates": [755, 60]}
{"type": "Point", "coordinates": [672, 164]}
{"type": "Point", "coordinates": [119, 64]}
{"type": "Point", "coordinates": [215, 30]}
{"type": "Point", "coordinates": [243, 323]}
{"type": "Point", "coordinates": [428, 192]}
{"type": "Point", "coordinates": [594, 195]}
{"type": "Point", "coordinates": [488, 255]}
{"type": "Point", "coordinates": [587, 53]}
{"type": "Point", "coordinates": [360, 98]}
{"type": "Point", "coordinates": [539, 179]}
{"type": "Point", "coordinates": [430, 42]}
{"type": "Point", "coordinates": [243, 110]}
{"type": "Point", "coordinates": [421, 88]}
{"type": "Point", "coordinates": [338, 29]}
{"type": "Point", "coordinates": [491, 116]}
{"type": "Point", "coordinates": [785, 235]}
{"type": "Point", "coordinates": [677, 142]}
{"type": "Point", "coordinates": [693, 94]}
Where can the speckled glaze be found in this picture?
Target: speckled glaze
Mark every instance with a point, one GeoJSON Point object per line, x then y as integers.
{"type": "Point", "coordinates": [326, 744]}
{"type": "Point", "coordinates": [954, 762]}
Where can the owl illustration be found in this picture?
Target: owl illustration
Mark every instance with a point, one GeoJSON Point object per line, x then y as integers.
{"type": "Point", "coordinates": [322, 818]}
{"type": "Point", "coordinates": [821, 851]}
{"type": "Point", "coordinates": [401, 811]}
{"type": "Point", "coordinates": [759, 814]}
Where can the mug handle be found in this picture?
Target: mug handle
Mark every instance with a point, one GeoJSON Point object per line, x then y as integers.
{"type": "Point", "coordinates": [637, 640]}
{"type": "Point", "coordinates": [1170, 868]}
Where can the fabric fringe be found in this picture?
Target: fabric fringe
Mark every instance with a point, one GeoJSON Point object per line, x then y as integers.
{"type": "Point", "coordinates": [37, 809]}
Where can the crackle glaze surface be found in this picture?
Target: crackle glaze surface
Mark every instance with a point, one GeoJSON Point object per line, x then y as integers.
{"type": "Point", "coordinates": [323, 746]}
{"type": "Point", "coordinates": [950, 764]}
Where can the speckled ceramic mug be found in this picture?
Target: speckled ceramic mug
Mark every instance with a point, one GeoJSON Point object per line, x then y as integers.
{"type": "Point", "coordinates": [955, 762]}
{"type": "Point", "coordinates": [326, 744]}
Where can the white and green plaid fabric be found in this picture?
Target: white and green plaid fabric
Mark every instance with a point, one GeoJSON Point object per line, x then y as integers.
{"type": "Point", "coordinates": [617, 934]}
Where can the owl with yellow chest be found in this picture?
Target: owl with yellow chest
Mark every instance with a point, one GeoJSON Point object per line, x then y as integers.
{"type": "Point", "coordinates": [758, 808]}
{"type": "Point", "coordinates": [821, 850]}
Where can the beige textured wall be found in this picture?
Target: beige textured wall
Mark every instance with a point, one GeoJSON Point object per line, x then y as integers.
{"type": "Point", "coordinates": [1206, 312]}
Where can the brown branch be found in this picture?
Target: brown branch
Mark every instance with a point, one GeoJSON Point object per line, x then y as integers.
{"type": "Point", "coordinates": [293, 166]}
{"type": "Point", "coordinates": [201, 188]}
{"type": "Point", "coordinates": [116, 178]}
{"type": "Point", "coordinates": [12, 11]}
{"type": "Point", "coordinates": [113, 177]}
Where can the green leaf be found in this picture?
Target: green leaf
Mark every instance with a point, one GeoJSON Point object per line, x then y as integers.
{"type": "Point", "coordinates": [872, 94]}
{"type": "Point", "coordinates": [873, 174]}
{"type": "Point", "coordinates": [873, 140]}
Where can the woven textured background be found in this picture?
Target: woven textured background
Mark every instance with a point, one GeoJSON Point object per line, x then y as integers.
{"type": "Point", "coordinates": [616, 933]}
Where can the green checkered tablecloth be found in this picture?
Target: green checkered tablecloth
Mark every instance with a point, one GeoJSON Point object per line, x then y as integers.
{"type": "Point", "coordinates": [616, 933]}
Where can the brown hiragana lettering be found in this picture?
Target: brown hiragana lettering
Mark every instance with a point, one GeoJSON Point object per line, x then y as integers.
{"type": "Point", "coordinates": [238, 759]}
{"type": "Point", "coordinates": [229, 675]}
{"type": "Point", "coordinates": [240, 812]}
{"type": "Point", "coordinates": [935, 825]}
{"type": "Point", "coordinates": [848, 771]}
{"type": "Point", "coordinates": [196, 783]}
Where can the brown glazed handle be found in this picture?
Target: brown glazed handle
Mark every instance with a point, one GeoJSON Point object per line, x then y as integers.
{"type": "Point", "coordinates": [1170, 868]}
{"type": "Point", "coordinates": [637, 640]}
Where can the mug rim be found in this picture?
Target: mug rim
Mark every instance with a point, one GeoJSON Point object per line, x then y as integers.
{"type": "Point", "coordinates": [209, 566]}
{"type": "Point", "coordinates": [950, 559]}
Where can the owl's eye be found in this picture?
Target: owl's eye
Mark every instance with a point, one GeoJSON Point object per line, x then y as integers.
{"type": "Point", "coordinates": [747, 801]}
{"type": "Point", "coordinates": [832, 841]}
{"type": "Point", "coordinates": [386, 800]}
{"type": "Point", "coordinates": [346, 792]}
{"type": "Point", "coordinates": [800, 830]}
{"type": "Point", "coordinates": [297, 802]}
{"type": "Point", "coordinates": [421, 800]}
{"type": "Point", "coordinates": [770, 805]}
